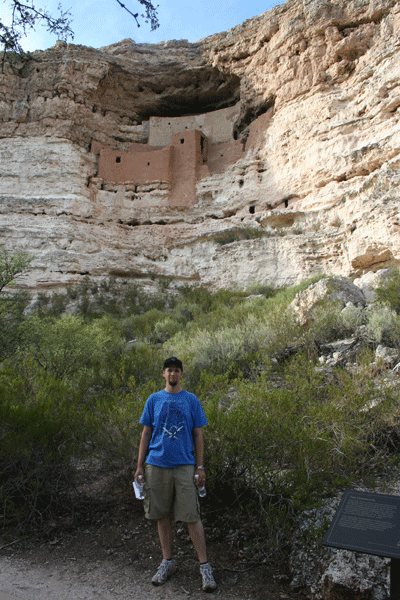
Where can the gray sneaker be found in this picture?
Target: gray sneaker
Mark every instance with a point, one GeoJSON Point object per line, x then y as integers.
{"type": "Point", "coordinates": [164, 572]}
{"type": "Point", "coordinates": [208, 580]}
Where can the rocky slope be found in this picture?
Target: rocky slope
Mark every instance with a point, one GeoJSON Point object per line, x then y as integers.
{"type": "Point", "coordinates": [317, 82]}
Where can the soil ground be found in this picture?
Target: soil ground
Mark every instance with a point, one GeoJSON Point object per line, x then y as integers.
{"type": "Point", "coordinates": [113, 555]}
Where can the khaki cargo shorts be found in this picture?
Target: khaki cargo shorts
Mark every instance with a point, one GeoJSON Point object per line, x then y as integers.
{"type": "Point", "coordinates": [171, 493]}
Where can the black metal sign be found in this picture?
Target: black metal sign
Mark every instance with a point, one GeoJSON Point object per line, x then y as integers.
{"type": "Point", "coordinates": [368, 523]}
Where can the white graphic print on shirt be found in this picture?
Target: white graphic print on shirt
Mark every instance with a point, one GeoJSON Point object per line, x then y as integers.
{"type": "Point", "coordinates": [172, 419]}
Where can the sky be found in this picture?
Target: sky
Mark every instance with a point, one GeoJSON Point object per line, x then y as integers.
{"type": "Point", "coordinates": [99, 23]}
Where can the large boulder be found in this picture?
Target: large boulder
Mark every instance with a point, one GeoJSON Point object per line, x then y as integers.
{"type": "Point", "coordinates": [331, 574]}
{"type": "Point", "coordinates": [336, 289]}
{"type": "Point", "coordinates": [370, 281]}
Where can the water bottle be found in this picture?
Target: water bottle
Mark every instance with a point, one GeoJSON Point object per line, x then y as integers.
{"type": "Point", "coordinates": [201, 491]}
{"type": "Point", "coordinates": [138, 486]}
{"type": "Point", "coordinates": [141, 486]}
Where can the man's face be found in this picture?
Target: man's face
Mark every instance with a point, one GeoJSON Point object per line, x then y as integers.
{"type": "Point", "coordinates": [172, 376]}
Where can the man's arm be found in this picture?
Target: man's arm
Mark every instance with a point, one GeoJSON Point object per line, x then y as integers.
{"type": "Point", "coordinates": [143, 449]}
{"type": "Point", "coordinates": [198, 442]}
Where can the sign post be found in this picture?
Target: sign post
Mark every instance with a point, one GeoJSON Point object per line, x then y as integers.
{"type": "Point", "coordinates": [369, 523]}
{"type": "Point", "coordinates": [395, 578]}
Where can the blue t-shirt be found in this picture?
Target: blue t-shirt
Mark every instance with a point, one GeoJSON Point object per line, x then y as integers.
{"type": "Point", "coordinates": [172, 418]}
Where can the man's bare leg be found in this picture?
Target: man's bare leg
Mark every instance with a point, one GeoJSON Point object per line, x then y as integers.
{"type": "Point", "coordinates": [167, 567]}
{"type": "Point", "coordinates": [196, 532]}
{"type": "Point", "coordinates": [165, 534]}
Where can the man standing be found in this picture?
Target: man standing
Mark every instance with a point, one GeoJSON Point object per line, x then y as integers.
{"type": "Point", "coordinates": [171, 452]}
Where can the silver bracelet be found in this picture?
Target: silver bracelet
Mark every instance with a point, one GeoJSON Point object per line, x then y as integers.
{"type": "Point", "coordinates": [201, 468]}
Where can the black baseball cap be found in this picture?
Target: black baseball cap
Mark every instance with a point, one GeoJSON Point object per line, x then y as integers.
{"type": "Point", "coordinates": [173, 362]}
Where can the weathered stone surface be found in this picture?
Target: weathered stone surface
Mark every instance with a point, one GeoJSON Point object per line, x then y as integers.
{"type": "Point", "coordinates": [335, 289]}
{"type": "Point", "coordinates": [318, 136]}
{"type": "Point", "coordinates": [370, 281]}
{"type": "Point", "coordinates": [388, 356]}
{"type": "Point", "coordinates": [333, 574]}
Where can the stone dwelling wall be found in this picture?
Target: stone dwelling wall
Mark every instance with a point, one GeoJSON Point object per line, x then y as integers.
{"type": "Point", "coordinates": [179, 153]}
{"type": "Point", "coordinates": [189, 160]}
{"type": "Point", "coordinates": [217, 126]}
{"type": "Point", "coordinates": [140, 167]}
{"type": "Point", "coordinates": [180, 164]}
{"type": "Point", "coordinates": [222, 155]}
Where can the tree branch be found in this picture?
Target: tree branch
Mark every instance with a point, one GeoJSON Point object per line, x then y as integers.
{"type": "Point", "coordinates": [150, 16]}
{"type": "Point", "coordinates": [25, 15]}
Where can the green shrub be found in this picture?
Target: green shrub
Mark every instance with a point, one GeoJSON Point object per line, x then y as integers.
{"type": "Point", "coordinates": [262, 288]}
{"type": "Point", "coordinates": [197, 295]}
{"type": "Point", "coordinates": [389, 290]}
{"type": "Point", "coordinates": [63, 347]}
{"type": "Point", "coordinates": [352, 317]}
{"type": "Point", "coordinates": [326, 324]}
{"type": "Point", "coordinates": [11, 264]}
{"type": "Point", "coordinates": [114, 430]}
{"type": "Point", "coordinates": [283, 432]}
{"type": "Point", "coordinates": [138, 364]}
{"type": "Point", "coordinates": [11, 316]}
{"type": "Point", "coordinates": [36, 473]}
{"type": "Point", "coordinates": [142, 327]}
{"type": "Point", "coordinates": [230, 340]}
{"type": "Point", "coordinates": [50, 426]}
{"type": "Point", "coordinates": [298, 442]}
{"type": "Point", "coordinates": [382, 324]}
{"type": "Point", "coordinates": [238, 233]}
{"type": "Point", "coordinates": [165, 329]}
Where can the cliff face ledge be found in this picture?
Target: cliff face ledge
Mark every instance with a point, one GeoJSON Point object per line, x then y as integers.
{"type": "Point", "coordinates": [307, 152]}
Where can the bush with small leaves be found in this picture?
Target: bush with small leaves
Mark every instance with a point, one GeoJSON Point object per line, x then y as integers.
{"type": "Point", "coordinates": [299, 441]}
{"type": "Point", "coordinates": [165, 329]}
{"type": "Point", "coordinates": [283, 430]}
{"type": "Point", "coordinates": [382, 325]}
{"type": "Point", "coordinates": [351, 317]}
{"type": "Point", "coordinates": [389, 290]}
{"type": "Point", "coordinates": [38, 442]}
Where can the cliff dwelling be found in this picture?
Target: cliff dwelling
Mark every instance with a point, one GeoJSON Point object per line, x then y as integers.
{"type": "Point", "coordinates": [180, 151]}
{"type": "Point", "coordinates": [136, 159]}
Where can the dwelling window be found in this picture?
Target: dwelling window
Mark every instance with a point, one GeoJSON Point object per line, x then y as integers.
{"type": "Point", "coordinates": [182, 140]}
{"type": "Point", "coordinates": [118, 159]}
{"type": "Point", "coordinates": [252, 210]}
{"type": "Point", "coordinates": [148, 164]}
{"type": "Point", "coordinates": [203, 149]}
{"type": "Point", "coordinates": [286, 203]}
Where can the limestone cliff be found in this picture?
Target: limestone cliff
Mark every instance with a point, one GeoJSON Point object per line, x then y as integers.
{"type": "Point", "coordinates": [296, 117]}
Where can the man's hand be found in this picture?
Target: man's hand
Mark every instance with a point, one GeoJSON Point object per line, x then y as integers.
{"type": "Point", "coordinates": [201, 481]}
{"type": "Point", "coordinates": [143, 450]}
{"type": "Point", "coordinates": [198, 442]}
{"type": "Point", "coordinates": [139, 472]}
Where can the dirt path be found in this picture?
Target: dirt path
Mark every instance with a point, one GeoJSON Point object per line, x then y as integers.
{"type": "Point", "coordinates": [112, 555]}
{"type": "Point", "coordinates": [42, 574]}
{"type": "Point", "coordinates": [76, 580]}
{"type": "Point", "coordinates": [115, 561]}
